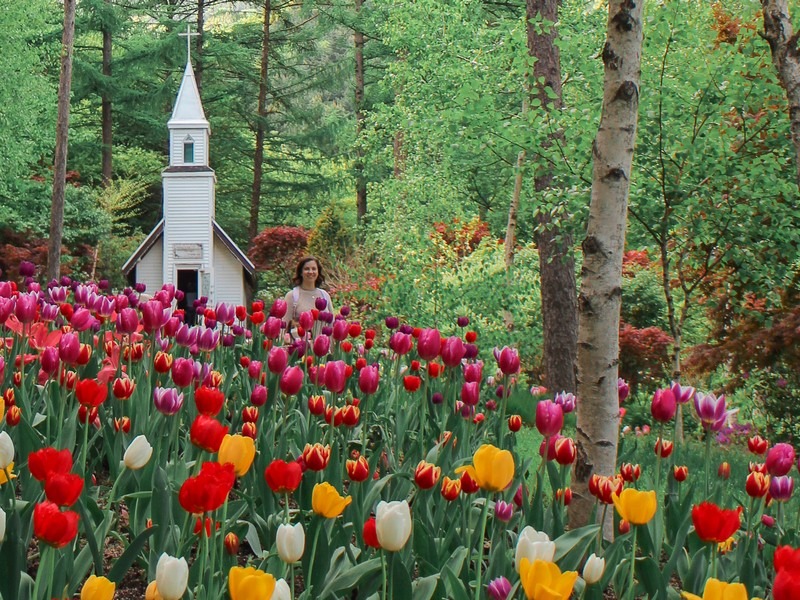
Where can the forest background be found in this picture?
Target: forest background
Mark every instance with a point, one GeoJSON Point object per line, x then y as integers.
{"type": "Point", "coordinates": [396, 137]}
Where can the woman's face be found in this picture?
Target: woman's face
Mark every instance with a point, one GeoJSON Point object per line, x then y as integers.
{"type": "Point", "coordinates": [310, 273]}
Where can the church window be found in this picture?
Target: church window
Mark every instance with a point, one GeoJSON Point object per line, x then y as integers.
{"type": "Point", "coordinates": [188, 150]}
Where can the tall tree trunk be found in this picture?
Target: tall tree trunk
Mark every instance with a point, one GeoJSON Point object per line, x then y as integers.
{"type": "Point", "coordinates": [556, 265]}
{"type": "Point", "coordinates": [361, 183]}
{"type": "Point", "coordinates": [398, 154]}
{"type": "Point", "coordinates": [258, 160]}
{"type": "Point", "coordinates": [601, 281]}
{"type": "Point", "coordinates": [198, 46]}
{"type": "Point", "coordinates": [106, 123]}
{"type": "Point", "coordinates": [785, 56]}
{"type": "Point", "coordinates": [62, 139]}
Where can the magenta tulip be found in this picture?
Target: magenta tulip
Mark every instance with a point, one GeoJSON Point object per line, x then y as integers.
{"type": "Point", "coordinates": [183, 371]}
{"type": "Point", "coordinates": [335, 379]}
{"type": "Point", "coordinates": [341, 329]}
{"type": "Point", "coordinates": [781, 488]}
{"type": "Point", "coordinates": [272, 327]}
{"type": "Point", "coordinates": [470, 393]}
{"type": "Point", "coordinates": [711, 410]}
{"type": "Point", "coordinates": [306, 320]}
{"type": "Point", "coordinates": [429, 343]}
{"type": "Point", "coordinates": [49, 360]}
{"type": "Point", "coordinates": [154, 316]}
{"type": "Point", "coordinates": [368, 379]}
{"type": "Point", "coordinates": [277, 360]}
{"type": "Point", "coordinates": [663, 406]}
{"type": "Point", "coordinates": [623, 389]}
{"type": "Point", "coordinates": [566, 400]}
{"type": "Point", "coordinates": [291, 381]}
{"type": "Point", "coordinates": [549, 418]}
{"type": "Point", "coordinates": [473, 372]}
{"type": "Point", "coordinates": [207, 339]}
{"type": "Point", "coordinates": [278, 309]}
{"type": "Point", "coordinates": [400, 342]}
{"type": "Point", "coordinates": [69, 348]}
{"type": "Point", "coordinates": [127, 321]}
{"type": "Point", "coordinates": [167, 400]}
{"type": "Point", "coordinates": [507, 359]}
{"type": "Point", "coordinates": [683, 393]}
{"type": "Point", "coordinates": [452, 351]}
{"type": "Point", "coordinates": [25, 308]}
{"type": "Point", "coordinates": [322, 345]}
{"type": "Point", "coordinates": [780, 459]}
{"type": "Point", "coordinates": [258, 397]}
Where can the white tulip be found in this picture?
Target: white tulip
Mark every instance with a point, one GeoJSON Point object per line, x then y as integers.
{"type": "Point", "coordinates": [6, 450]}
{"type": "Point", "coordinates": [593, 569]}
{"type": "Point", "coordinates": [2, 525]}
{"type": "Point", "coordinates": [138, 453]}
{"type": "Point", "coordinates": [533, 545]}
{"type": "Point", "coordinates": [172, 577]}
{"type": "Point", "coordinates": [291, 542]}
{"type": "Point", "coordinates": [393, 524]}
{"type": "Point", "coordinates": [281, 591]}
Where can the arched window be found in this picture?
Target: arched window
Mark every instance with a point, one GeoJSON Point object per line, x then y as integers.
{"type": "Point", "coordinates": [188, 150]}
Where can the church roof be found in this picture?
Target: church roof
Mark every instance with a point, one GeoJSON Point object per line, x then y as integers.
{"type": "Point", "coordinates": [233, 248]}
{"type": "Point", "coordinates": [144, 247]}
{"type": "Point", "coordinates": [188, 110]}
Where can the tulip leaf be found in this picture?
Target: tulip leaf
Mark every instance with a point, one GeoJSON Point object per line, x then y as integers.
{"type": "Point", "coordinates": [455, 587]}
{"type": "Point", "coordinates": [424, 587]}
{"type": "Point", "coordinates": [573, 545]}
{"type": "Point", "coordinates": [88, 528]}
{"type": "Point", "coordinates": [456, 561]}
{"type": "Point", "coordinates": [124, 562]}
{"type": "Point", "coordinates": [351, 578]}
{"type": "Point", "coordinates": [696, 577]}
{"type": "Point", "coordinates": [650, 576]}
{"type": "Point", "coordinates": [11, 551]}
{"type": "Point", "coordinates": [401, 579]}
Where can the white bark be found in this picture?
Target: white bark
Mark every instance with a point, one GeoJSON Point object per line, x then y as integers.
{"type": "Point", "coordinates": [600, 295]}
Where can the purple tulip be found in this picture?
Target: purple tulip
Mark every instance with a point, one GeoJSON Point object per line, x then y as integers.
{"type": "Point", "coordinates": [780, 459]}
{"type": "Point", "coordinates": [228, 340]}
{"type": "Point", "coordinates": [473, 372]}
{"type": "Point", "coordinates": [549, 418]}
{"type": "Point", "coordinates": [462, 321]}
{"type": "Point", "coordinates": [226, 313]}
{"type": "Point", "coordinates": [503, 511]}
{"type": "Point", "coordinates": [183, 371]}
{"type": "Point", "coordinates": [321, 303]}
{"type": "Point", "coordinates": [291, 381]}
{"type": "Point", "coordinates": [429, 343]}
{"type": "Point", "coordinates": [105, 306]}
{"type": "Point", "coordinates": [207, 339]}
{"type": "Point", "coordinates": [781, 487]}
{"type": "Point", "coordinates": [344, 311]}
{"type": "Point", "coordinates": [49, 312]}
{"type": "Point", "coordinates": [69, 348]}
{"type": "Point", "coordinates": [322, 345]}
{"type": "Point", "coordinates": [437, 398]}
{"type": "Point", "coordinates": [392, 322]}
{"type": "Point", "coordinates": [499, 589]}
{"type": "Point", "coordinates": [326, 330]}
{"type": "Point", "coordinates": [566, 400]}
{"type": "Point", "coordinates": [452, 351]}
{"type": "Point", "coordinates": [470, 393]}
{"type": "Point", "coordinates": [278, 309]}
{"type": "Point", "coordinates": [25, 307]}
{"type": "Point", "coordinates": [325, 316]}
{"type": "Point", "coordinates": [711, 410]}
{"type": "Point", "coordinates": [663, 406]}
{"type": "Point", "coordinates": [186, 336]}
{"type": "Point", "coordinates": [368, 379]}
{"type": "Point", "coordinates": [406, 328]}
{"type": "Point", "coordinates": [258, 397]}
{"type": "Point", "coordinates": [58, 294]}
{"type": "Point", "coordinates": [26, 268]}
{"type": "Point", "coordinates": [277, 360]}
{"type": "Point", "coordinates": [683, 393]}
{"type": "Point", "coordinates": [401, 343]}
{"type": "Point", "coordinates": [507, 359]}
{"type": "Point", "coordinates": [335, 379]}
{"type": "Point", "coordinates": [167, 400]}
{"type": "Point", "coordinates": [623, 389]}
{"type": "Point", "coordinates": [470, 351]}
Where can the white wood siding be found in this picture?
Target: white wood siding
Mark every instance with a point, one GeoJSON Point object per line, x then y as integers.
{"type": "Point", "coordinates": [149, 269]}
{"type": "Point", "coordinates": [228, 275]}
{"type": "Point", "coordinates": [188, 211]}
{"type": "Point", "coordinates": [200, 138]}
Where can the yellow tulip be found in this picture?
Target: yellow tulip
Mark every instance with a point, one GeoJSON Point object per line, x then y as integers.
{"type": "Point", "coordinates": [719, 590]}
{"type": "Point", "coordinates": [98, 588]}
{"type": "Point", "coordinates": [543, 580]}
{"type": "Point", "coordinates": [151, 593]}
{"type": "Point", "coordinates": [491, 468]}
{"type": "Point", "coordinates": [10, 470]}
{"type": "Point", "coordinates": [327, 502]}
{"type": "Point", "coordinates": [239, 450]}
{"type": "Point", "coordinates": [248, 583]}
{"type": "Point", "coordinates": [635, 507]}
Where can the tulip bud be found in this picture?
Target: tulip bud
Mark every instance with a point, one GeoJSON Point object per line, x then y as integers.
{"type": "Point", "coordinates": [172, 577]}
{"type": "Point", "coordinates": [250, 430]}
{"type": "Point", "coordinates": [6, 450]}
{"type": "Point", "coordinates": [138, 453]}
{"type": "Point", "coordinates": [724, 470]}
{"type": "Point", "coordinates": [624, 527]}
{"type": "Point", "coordinates": [514, 423]}
{"type": "Point", "coordinates": [426, 475]}
{"type": "Point", "coordinates": [593, 569]}
{"type": "Point", "coordinates": [498, 589]}
{"type": "Point", "coordinates": [232, 544]}
{"type": "Point", "coordinates": [393, 524]}
{"type": "Point", "coordinates": [565, 494]}
{"type": "Point", "coordinates": [13, 416]}
{"type": "Point", "coordinates": [2, 525]}
{"type": "Point", "coordinates": [680, 473]}
{"type": "Point", "coordinates": [663, 448]}
{"type": "Point", "coordinates": [768, 521]}
{"type": "Point", "coordinates": [291, 542]}
{"type": "Point", "coordinates": [370, 534]}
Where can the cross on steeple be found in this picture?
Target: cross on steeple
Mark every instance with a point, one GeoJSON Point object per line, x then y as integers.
{"type": "Point", "coordinates": [189, 35]}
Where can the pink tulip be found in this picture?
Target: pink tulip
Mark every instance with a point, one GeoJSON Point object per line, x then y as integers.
{"type": "Point", "coordinates": [127, 321]}
{"type": "Point", "coordinates": [167, 400]}
{"type": "Point", "coordinates": [470, 393]}
{"type": "Point", "coordinates": [368, 379]}
{"type": "Point", "coordinates": [278, 309]}
{"type": "Point", "coordinates": [549, 418]}
{"type": "Point", "coordinates": [341, 329]}
{"type": "Point", "coordinates": [153, 315]}
{"type": "Point", "coordinates": [25, 307]}
{"type": "Point", "coordinates": [207, 339]}
{"type": "Point", "coordinates": [429, 343]}
{"type": "Point", "coordinates": [272, 327]}
{"type": "Point", "coordinates": [69, 348]}
{"type": "Point", "coordinates": [711, 410]}
{"type": "Point", "coordinates": [452, 351]}
{"type": "Point", "coordinates": [473, 372]}
{"type": "Point", "coordinates": [623, 389]}
{"type": "Point", "coordinates": [566, 400]}
{"type": "Point", "coordinates": [400, 342]}
{"type": "Point", "coordinates": [306, 320]}
{"type": "Point", "coordinates": [781, 488]}
{"type": "Point", "coordinates": [663, 406]}
{"type": "Point", "coordinates": [291, 381]}
{"type": "Point", "coordinates": [683, 393]}
{"type": "Point", "coordinates": [183, 371]}
{"type": "Point", "coordinates": [335, 379]}
{"type": "Point", "coordinates": [258, 397]}
{"type": "Point", "coordinates": [277, 360]}
{"type": "Point", "coordinates": [49, 360]}
{"type": "Point", "coordinates": [780, 459]}
{"type": "Point", "coordinates": [322, 345]}
{"type": "Point", "coordinates": [507, 359]}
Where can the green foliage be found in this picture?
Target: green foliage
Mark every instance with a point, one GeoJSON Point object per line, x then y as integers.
{"type": "Point", "coordinates": [332, 236]}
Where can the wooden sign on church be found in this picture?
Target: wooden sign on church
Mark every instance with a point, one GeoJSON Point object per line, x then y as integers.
{"type": "Point", "coordinates": [188, 248]}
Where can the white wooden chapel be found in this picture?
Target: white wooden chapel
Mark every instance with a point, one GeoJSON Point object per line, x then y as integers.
{"type": "Point", "coordinates": [188, 248]}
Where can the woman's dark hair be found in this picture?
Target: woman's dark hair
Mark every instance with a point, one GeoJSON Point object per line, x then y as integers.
{"type": "Point", "coordinates": [298, 275]}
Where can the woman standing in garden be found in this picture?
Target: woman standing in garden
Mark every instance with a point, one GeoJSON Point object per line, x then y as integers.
{"type": "Point", "coordinates": [307, 293]}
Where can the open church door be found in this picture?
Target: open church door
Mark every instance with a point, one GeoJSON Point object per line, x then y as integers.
{"type": "Point", "coordinates": [188, 284]}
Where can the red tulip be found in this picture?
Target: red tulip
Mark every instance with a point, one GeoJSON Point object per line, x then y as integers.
{"type": "Point", "coordinates": [48, 461]}
{"type": "Point", "coordinates": [209, 489]}
{"type": "Point", "coordinates": [316, 457]}
{"type": "Point", "coordinates": [411, 383]}
{"type": "Point", "coordinates": [468, 484]}
{"type": "Point", "coordinates": [350, 415]}
{"type": "Point", "coordinates": [724, 470]}
{"type": "Point", "coordinates": [451, 488]}
{"type": "Point", "coordinates": [208, 400]}
{"type": "Point", "coordinates": [426, 475]}
{"type": "Point", "coordinates": [370, 534]}
{"type": "Point", "coordinates": [680, 473]}
{"type": "Point", "coordinates": [629, 472]}
{"type": "Point", "coordinates": [52, 526]}
{"type": "Point", "coordinates": [787, 558]}
{"type": "Point", "coordinates": [291, 381]}
{"type": "Point", "coordinates": [231, 543]}
{"type": "Point", "coordinates": [757, 444]}
{"type": "Point", "coordinates": [283, 477]}
{"type": "Point", "coordinates": [250, 414]}
{"type": "Point", "coordinates": [514, 423]}
{"type": "Point", "coordinates": [785, 585]}
{"type": "Point", "coordinates": [713, 524]}
{"type": "Point", "coordinates": [91, 392]}
{"type": "Point", "coordinates": [603, 487]}
{"type": "Point", "coordinates": [316, 405]}
{"type": "Point", "coordinates": [358, 469]}
{"type": "Point", "coordinates": [63, 489]}
{"type": "Point", "coordinates": [207, 433]}
{"type": "Point", "coordinates": [162, 362]}
{"type": "Point", "coordinates": [566, 452]}
{"type": "Point", "coordinates": [123, 388]}
{"type": "Point", "coordinates": [663, 448]}
{"type": "Point", "coordinates": [757, 485]}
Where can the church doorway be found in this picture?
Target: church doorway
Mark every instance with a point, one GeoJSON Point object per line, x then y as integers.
{"type": "Point", "coordinates": [188, 284]}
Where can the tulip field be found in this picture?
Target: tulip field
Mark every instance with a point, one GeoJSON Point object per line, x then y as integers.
{"type": "Point", "coordinates": [370, 459]}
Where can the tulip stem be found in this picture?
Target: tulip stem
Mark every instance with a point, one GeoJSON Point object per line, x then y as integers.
{"type": "Point", "coordinates": [86, 426]}
{"type": "Point", "coordinates": [313, 557]}
{"type": "Point", "coordinates": [383, 572]}
{"type": "Point", "coordinates": [708, 459]}
{"type": "Point", "coordinates": [633, 564]}
{"type": "Point", "coordinates": [484, 515]}
{"type": "Point", "coordinates": [41, 572]}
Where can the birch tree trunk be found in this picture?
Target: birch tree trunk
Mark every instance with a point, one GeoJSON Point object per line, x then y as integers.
{"type": "Point", "coordinates": [62, 140]}
{"type": "Point", "coordinates": [601, 292]}
{"type": "Point", "coordinates": [785, 56]}
{"type": "Point", "coordinates": [258, 159]}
